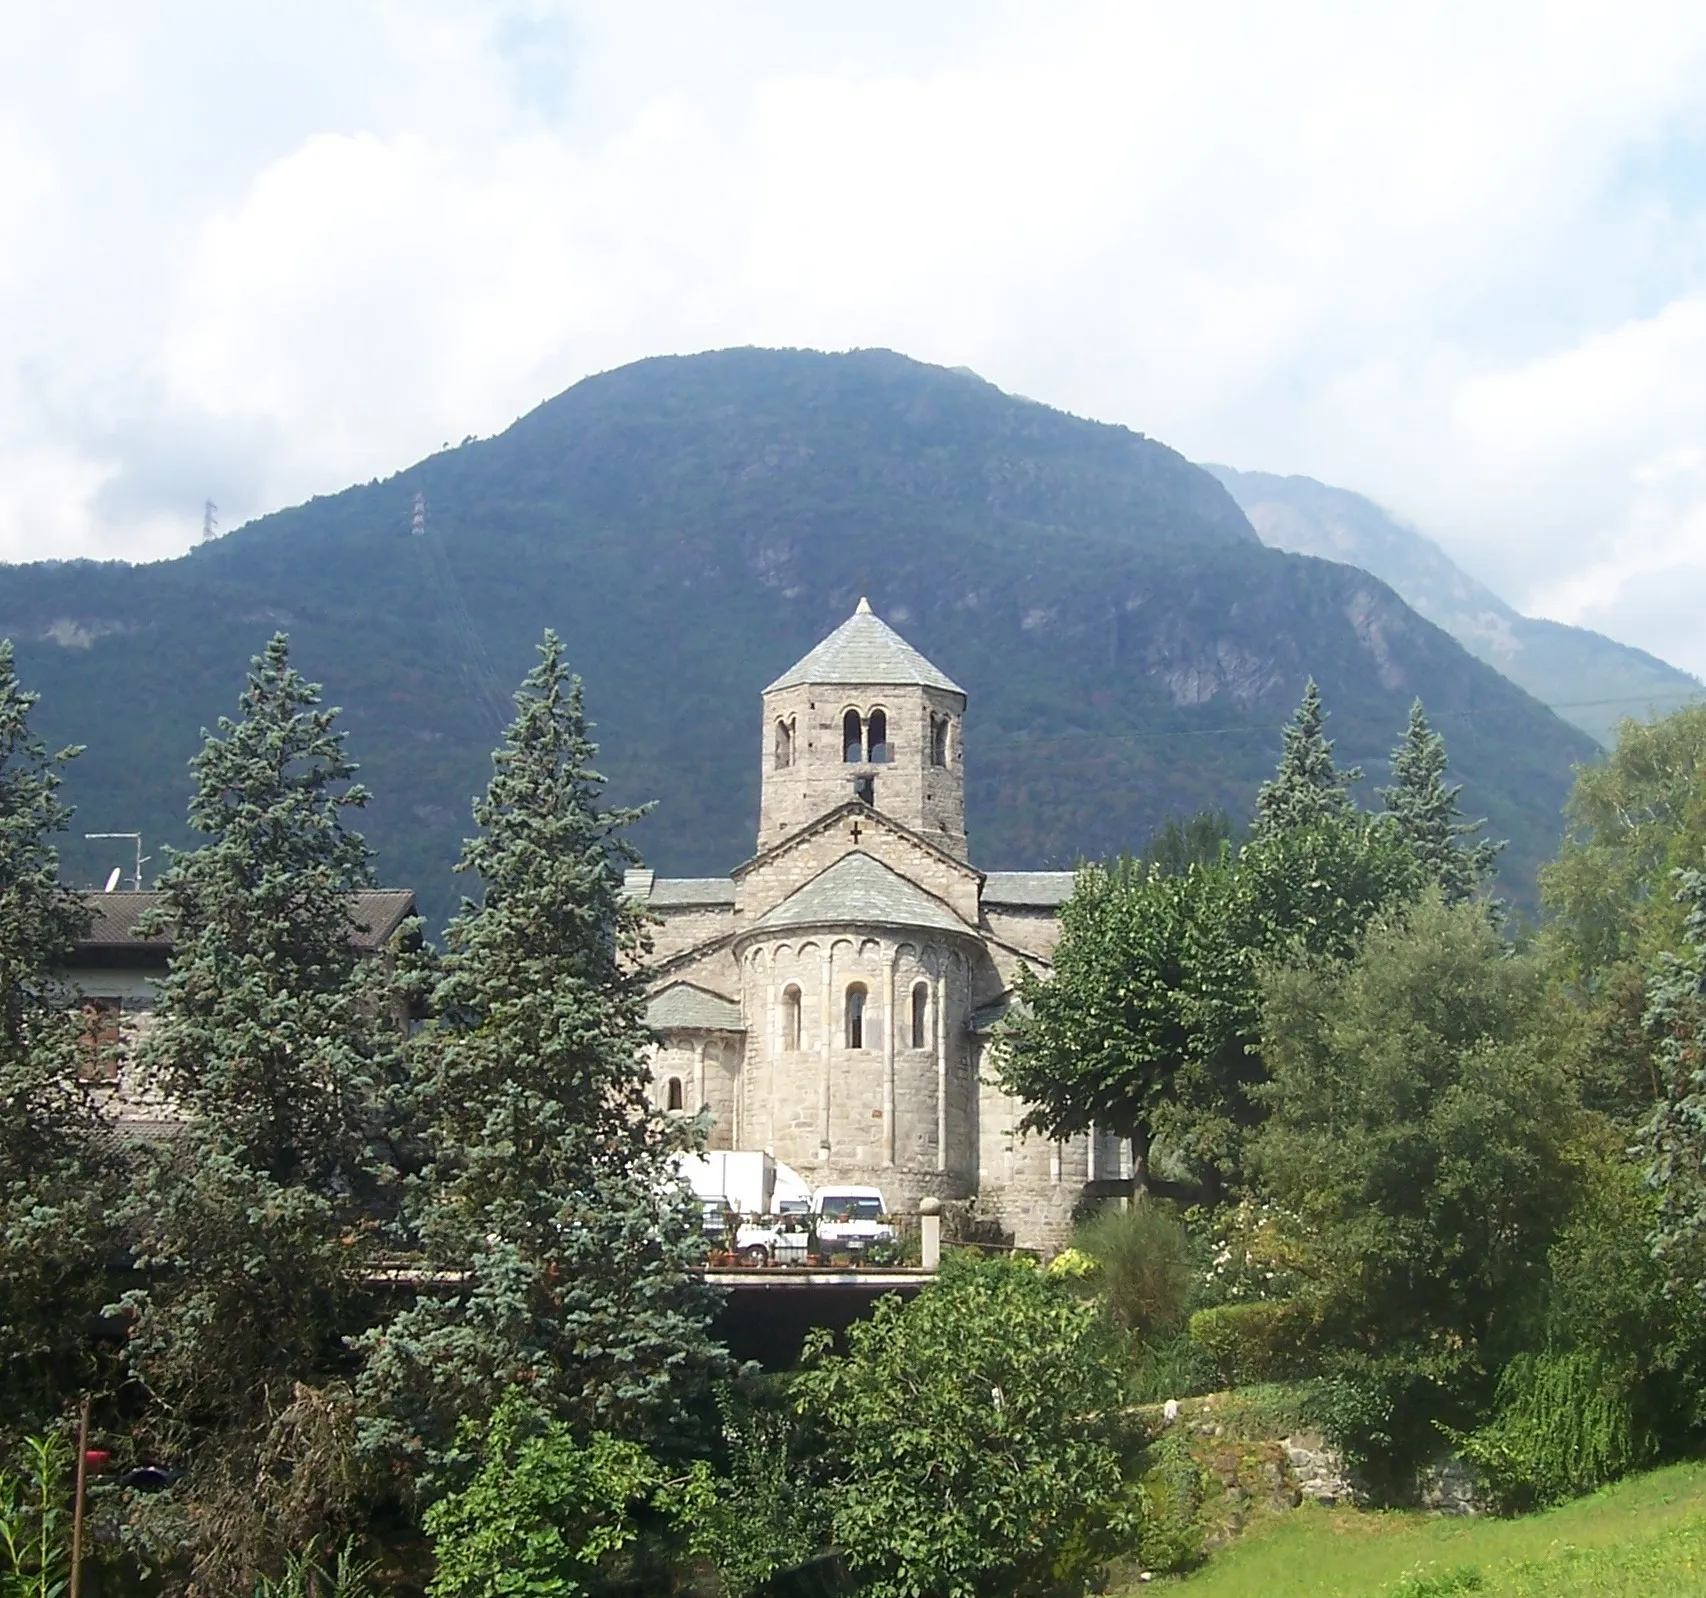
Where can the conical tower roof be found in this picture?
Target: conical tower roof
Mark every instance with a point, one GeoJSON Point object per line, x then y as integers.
{"type": "Point", "coordinates": [864, 649]}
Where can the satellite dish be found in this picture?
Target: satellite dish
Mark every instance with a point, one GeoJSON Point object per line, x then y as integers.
{"type": "Point", "coordinates": [112, 881]}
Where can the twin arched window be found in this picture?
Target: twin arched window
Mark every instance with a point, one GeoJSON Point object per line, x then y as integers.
{"type": "Point", "coordinates": [865, 739]}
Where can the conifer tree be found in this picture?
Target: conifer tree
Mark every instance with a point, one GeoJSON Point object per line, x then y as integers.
{"type": "Point", "coordinates": [1307, 789]}
{"type": "Point", "coordinates": [1424, 809]}
{"type": "Point", "coordinates": [548, 1181]}
{"type": "Point", "coordinates": [56, 1168]}
{"type": "Point", "coordinates": [270, 1033]}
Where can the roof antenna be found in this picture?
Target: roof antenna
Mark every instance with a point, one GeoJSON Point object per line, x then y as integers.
{"type": "Point", "coordinates": [112, 879]}
{"type": "Point", "coordinates": [136, 838]}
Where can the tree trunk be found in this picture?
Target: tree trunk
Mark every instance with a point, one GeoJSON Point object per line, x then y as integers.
{"type": "Point", "coordinates": [1140, 1161]}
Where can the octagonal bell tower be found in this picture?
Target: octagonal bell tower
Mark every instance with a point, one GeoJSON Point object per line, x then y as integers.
{"type": "Point", "coordinates": [864, 716]}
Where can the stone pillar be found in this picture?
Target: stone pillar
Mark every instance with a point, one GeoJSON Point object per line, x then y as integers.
{"type": "Point", "coordinates": [1090, 1170]}
{"type": "Point", "coordinates": [827, 1015]}
{"type": "Point", "coordinates": [892, 955]}
{"type": "Point", "coordinates": [699, 1085]}
{"type": "Point", "coordinates": [941, 991]}
{"type": "Point", "coordinates": [930, 1233]}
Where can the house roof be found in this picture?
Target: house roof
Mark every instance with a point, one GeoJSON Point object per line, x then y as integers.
{"type": "Point", "coordinates": [1046, 890]}
{"type": "Point", "coordinates": [681, 893]}
{"type": "Point", "coordinates": [683, 1006]}
{"type": "Point", "coordinates": [865, 650]}
{"type": "Point", "coordinates": [375, 914]}
{"type": "Point", "coordinates": [860, 889]}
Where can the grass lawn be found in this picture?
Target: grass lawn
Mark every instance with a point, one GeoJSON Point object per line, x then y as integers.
{"type": "Point", "coordinates": [1643, 1538]}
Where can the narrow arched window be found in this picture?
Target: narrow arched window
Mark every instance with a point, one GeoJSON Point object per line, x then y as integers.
{"type": "Point", "coordinates": [920, 1014]}
{"type": "Point", "coordinates": [852, 738]}
{"type": "Point", "coordinates": [938, 740]}
{"type": "Point", "coordinates": [878, 734]}
{"type": "Point", "coordinates": [791, 1018]}
{"type": "Point", "coordinates": [856, 1016]}
{"type": "Point", "coordinates": [673, 1092]}
{"type": "Point", "coordinates": [784, 744]}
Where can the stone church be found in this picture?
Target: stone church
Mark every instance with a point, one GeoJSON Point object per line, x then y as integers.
{"type": "Point", "coordinates": [832, 1000]}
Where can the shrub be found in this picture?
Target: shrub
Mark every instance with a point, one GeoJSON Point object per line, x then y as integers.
{"type": "Point", "coordinates": [1265, 1341]}
{"type": "Point", "coordinates": [1143, 1266]}
{"type": "Point", "coordinates": [542, 1513]}
{"type": "Point", "coordinates": [1564, 1427]}
{"type": "Point", "coordinates": [970, 1435]}
{"type": "Point", "coordinates": [35, 1557]}
{"type": "Point", "coordinates": [1172, 1489]}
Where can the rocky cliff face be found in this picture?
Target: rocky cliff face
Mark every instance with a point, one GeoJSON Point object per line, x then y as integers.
{"type": "Point", "coordinates": [1585, 677]}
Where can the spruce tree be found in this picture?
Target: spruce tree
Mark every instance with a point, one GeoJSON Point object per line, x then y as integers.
{"type": "Point", "coordinates": [270, 1034]}
{"type": "Point", "coordinates": [1307, 789]}
{"type": "Point", "coordinates": [547, 1190]}
{"type": "Point", "coordinates": [57, 1168]}
{"type": "Point", "coordinates": [1424, 809]}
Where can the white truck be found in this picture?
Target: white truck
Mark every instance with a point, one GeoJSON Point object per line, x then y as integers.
{"type": "Point", "coordinates": [845, 1220]}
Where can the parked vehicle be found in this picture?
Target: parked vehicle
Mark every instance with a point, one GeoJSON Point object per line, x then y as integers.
{"type": "Point", "coordinates": [850, 1219]}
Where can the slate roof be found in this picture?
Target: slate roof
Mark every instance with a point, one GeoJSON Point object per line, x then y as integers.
{"type": "Point", "coordinates": [863, 650]}
{"type": "Point", "coordinates": [1046, 890]}
{"type": "Point", "coordinates": [374, 915]}
{"type": "Point", "coordinates": [683, 1006]}
{"type": "Point", "coordinates": [860, 889]}
{"type": "Point", "coordinates": [678, 893]}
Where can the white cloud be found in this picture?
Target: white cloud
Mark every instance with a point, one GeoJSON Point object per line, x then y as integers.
{"type": "Point", "coordinates": [1447, 255]}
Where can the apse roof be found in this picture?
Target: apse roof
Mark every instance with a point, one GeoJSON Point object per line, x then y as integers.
{"type": "Point", "coordinates": [684, 1007]}
{"type": "Point", "coordinates": [864, 649]}
{"type": "Point", "coordinates": [860, 890]}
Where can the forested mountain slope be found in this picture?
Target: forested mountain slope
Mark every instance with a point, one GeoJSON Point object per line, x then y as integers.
{"type": "Point", "coordinates": [1589, 679]}
{"type": "Point", "coordinates": [691, 526]}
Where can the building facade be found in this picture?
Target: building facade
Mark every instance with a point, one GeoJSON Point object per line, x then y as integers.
{"type": "Point", "coordinates": [831, 1000]}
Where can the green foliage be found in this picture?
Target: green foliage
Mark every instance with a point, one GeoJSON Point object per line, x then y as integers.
{"type": "Point", "coordinates": [1308, 789]}
{"type": "Point", "coordinates": [57, 1179]}
{"type": "Point", "coordinates": [35, 1521]}
{"type": "Point", "coordinates": [305, 1576]}
{"type": "Point", "coordinates": [1421, 1132]}
{"type": "Point", "coordinates": [1141, 1024]}
{"type": "Point", "coordinates": [1144, 1271]}
{"type": "Point", "coordinates": [764, 1513]}
{"type": "Point", "coordinates": [1425, 812]}
{"type": "Point", "coordinates": [1175, 846]}
{"type": "Point", "coordinates": [1636, 819]}
{"type": "Point", "coordinates": [542, 1515]}
{"type": "Point", "coordinates": [1675, 1135]}
{"type": "Point", "coordinates": [1171, 1490]}
{"type": "Point", "coordinates": [969, 1435]}
{"type": "Point", "coordinates": [1267, 1340]}
{"type": "Point", "coordinates": [1147, 1025]}
{"type": "Point", "coordinates": [270, 1029]}
{"type": "Point", "coordinates": [1564, 1426]}
{"type": "Point", "coordinates": [548, 1177]}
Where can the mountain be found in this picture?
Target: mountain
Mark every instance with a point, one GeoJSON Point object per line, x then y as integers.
{"type": "Point", "coordinates": [1589, 679]}
{"type": "Point", "coordinates": [693, 525]}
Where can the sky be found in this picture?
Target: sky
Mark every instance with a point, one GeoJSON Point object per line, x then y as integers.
{"type": "Point", "coordinates": [1451, 256]}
